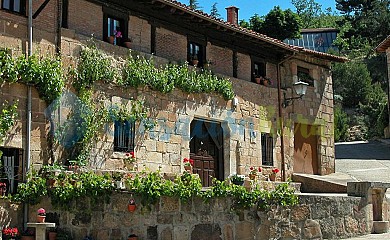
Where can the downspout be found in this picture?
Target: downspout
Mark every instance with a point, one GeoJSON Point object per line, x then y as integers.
{"type": "Point", "coordinates": [279, 79]}
{"type": "Point", "coordinates": [28, 132]}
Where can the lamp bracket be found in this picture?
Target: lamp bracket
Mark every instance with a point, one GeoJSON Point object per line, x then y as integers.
{"type": "Point", "coordinates": [288, 101]}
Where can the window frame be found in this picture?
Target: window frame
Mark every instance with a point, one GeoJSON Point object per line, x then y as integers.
{"type": "Point", "coordinates": [307, 78]}
{"type": "Point", "coordinates": [201, 55]}
{"type": "Point", "coordinates": [123, 19]}
{"type": "Point", "coordinates": [127, 144]}
{"type": "Point", "coordinates": [17, 171]}
{"type": "Point", "coordinates": [258, 72]}
{"type": "Point", "coordinates": [22, 9]}
{"type": "Point", "coordinates": [267, 146]}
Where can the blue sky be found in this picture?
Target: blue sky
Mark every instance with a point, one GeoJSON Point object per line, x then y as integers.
{"type": "Point", "coordinates": [249, 7]}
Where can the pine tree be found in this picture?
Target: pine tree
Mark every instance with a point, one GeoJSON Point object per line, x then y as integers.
{"type": "Point", "coordinates": [194, 4]}
{"type": "Point", "coordinates": [214, 11]}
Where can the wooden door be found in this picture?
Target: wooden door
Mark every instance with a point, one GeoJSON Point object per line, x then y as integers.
{"type": "Point", "coordinates": [206, 150]}
{"type": "Point", "coordinates": [305, 149]}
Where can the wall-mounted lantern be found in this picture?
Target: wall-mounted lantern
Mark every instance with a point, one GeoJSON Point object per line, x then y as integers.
{"type": "Point", "coordinates": [300, 89]}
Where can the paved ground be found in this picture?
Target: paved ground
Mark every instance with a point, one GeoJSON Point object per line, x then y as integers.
{"type": "Point", "coordinates": [365, 161]}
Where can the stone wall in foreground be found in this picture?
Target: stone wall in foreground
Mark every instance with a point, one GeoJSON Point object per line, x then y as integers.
{"type": "Point", "coordinates": [316, 217]}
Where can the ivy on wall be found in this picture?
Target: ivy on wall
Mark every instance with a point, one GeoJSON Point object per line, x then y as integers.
{"type": "Point", "coordinates": [8, 115]}
{"type": "Point", "coordinates": [43, 73]}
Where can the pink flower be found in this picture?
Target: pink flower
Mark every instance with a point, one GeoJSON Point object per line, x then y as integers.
{"type": "Point", "coordinates": [41, 211]}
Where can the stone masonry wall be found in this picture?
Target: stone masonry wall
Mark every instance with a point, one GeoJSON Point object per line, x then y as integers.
{"type": "Point", "coordinates": [316, 217]}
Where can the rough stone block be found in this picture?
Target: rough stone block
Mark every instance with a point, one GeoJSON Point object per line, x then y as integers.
{"type": "Point", "coordinates": [244, 230]}
{"type": "Point", "coordinates": [312, 229]}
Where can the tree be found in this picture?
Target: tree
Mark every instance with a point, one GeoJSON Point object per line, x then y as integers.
{"type": "Point", "coordinates": [214, 11]}
{"type": "Point", "coordinates": [281, 24]}
{"type": "Point", "coordinates": [194, 4]}
{"type": "Point", "coordinates": [369, 22]}
{"type": "Point", "coordinates": [313, 16]}
{"type": "Point", "coordinates": [352, 82]}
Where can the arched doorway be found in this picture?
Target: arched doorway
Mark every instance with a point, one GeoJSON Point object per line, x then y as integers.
{"type": "Point", "coordinates": [206, 149]}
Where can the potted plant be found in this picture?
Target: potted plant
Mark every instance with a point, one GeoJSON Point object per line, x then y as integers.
{"type": "Point", "coordinates": [272, 176]}
{"type": "Point", "coordinates": [127, 42]}
{"type": "Point", "coordinates": [266, 81]}
{"type": "Point", "coordinates": [132, 237]}
{"type": "Point", "coordinates": [253, 172]}
{"type": "Point", "coordinates": [3, 189]}
{"type": "Point", "coordinates": [237, 179]}
{"type": "Point", "coordinates": [188, 164]}
{"type": "Point", "coordinates": [129, 160]}
{"type": "Point", "coordinates": [28, 234]}
{"type": "Point", "coordinates": [131, 206]}
{"type": "Point", "coordinates": [257, 78]}
{"type": "Point", "coordinates": [194, 59]}
{"type": "Point", "coordinates": [117, 177]}
{"type": "Point", "coordinates": [41, 215]}
{"type": "Point", "coordinates": [10, 233]}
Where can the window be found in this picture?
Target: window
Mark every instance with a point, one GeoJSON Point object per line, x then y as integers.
{"type": "Point", "coordinates": [124, 136]}
{"type": "Point", "coordinates": [18, 6]}
{"type": "Point", "coordinates": [258, 70]}
{"type": "Point", "coordinates": [114, 26]}
{"type": "Point", "coordinates": [304, 76]}
{"type": "Point", "coordinates": [10, 173]}
{"type": "Point", "coordinates": [196, 54]}
{"type": "Point", "coordinates": [267, 149]}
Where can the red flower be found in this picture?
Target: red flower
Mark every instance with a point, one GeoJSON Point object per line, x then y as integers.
{"type": "Point", "coordinates": [275, 170]}
{"type": "Point", "coordinates": [260, 169]}
{"type": "Point", "coordinates": [185, 160]}
{"type": "Point", "coordinates": [191, 162]}
{"type": "Point", "coordinates": [132, 154]}
{"type": "Point", "coordinates": [251, 168]}
{"type": "Point", "coordinates": [127, 154]}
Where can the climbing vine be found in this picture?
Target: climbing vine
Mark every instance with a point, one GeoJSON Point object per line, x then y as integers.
{"type": "Point", "coordinates": [43, 73]}
{"type": "Point", "coordinates": [8, 115]}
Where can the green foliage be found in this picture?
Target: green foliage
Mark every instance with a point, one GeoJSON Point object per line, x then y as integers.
{"type": "Point", "coordinates": [93, 66]}
{"type": "Point", "coordinates": [313, 16]}
{"type": "Point", "coordinates": [142, 72]}
{"type": "Point", "coordinates": [8, 115]}
{"type": "Point", "coordinates": [369, 22]}
{"type": "Point", "coordinates": [277, 24]}
{"type": "Point", "coordinates": [194, 4]}
{"type": "Point", "coordinates": [375, 111]}
{"type": "Point", "coordinates": [45, 74]}
{"type": "Point", "coordinates": [351, 81]}
{"type": "Point", "coordinates": [214, 11]}
{"type": "Point", "coordinates": [341, 121]}
{"type": "Point", "coordinates": [32, 191]}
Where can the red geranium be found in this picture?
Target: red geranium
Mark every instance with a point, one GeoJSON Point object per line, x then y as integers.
{"type": "Point", "coordinates": [12, 232]}
{"type": "Point", "coordinates": [275, 170]}
{"type": "Point", "coordinates": [188, 162]}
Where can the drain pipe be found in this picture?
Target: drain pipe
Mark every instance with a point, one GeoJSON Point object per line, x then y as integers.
{"type": "Point", "coordinates": [28, 132]}
{"type": "Point", "coordinates": [279, 79]}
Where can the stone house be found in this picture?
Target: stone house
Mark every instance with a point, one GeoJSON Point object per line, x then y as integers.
{"type": "Point", "coordinates": [261, 127]}
{"type": "Point", "coordinates": [384, 47]}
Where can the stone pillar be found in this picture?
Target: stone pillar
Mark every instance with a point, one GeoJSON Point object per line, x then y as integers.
{"type": "Point", "coordinates": [40, 233]}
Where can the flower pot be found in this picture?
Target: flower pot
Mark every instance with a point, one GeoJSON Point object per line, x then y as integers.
{"type": "Point", "coordinates": [52, 235]}
{"type": "Point", "coordinates": [257, 80]}
{"type": "Point", "coordinates": [265, 82]}
{"type": "Point", "coordinates": [272, 177]}
{"type": "Point", "coordinates": [127, 44]}
{"type": "Point", "coordinates": [111, 39]}
{"type": "Point", "coordinates": [27, 238]}
{"type": "Point", "coordinates": [41, 219]}
{"type": "Point", "coordinates": [131, 207]}
{"type": "Point", "coordinates": [195, 62]}
{"type": "Point", "coordinates": [2, 192]}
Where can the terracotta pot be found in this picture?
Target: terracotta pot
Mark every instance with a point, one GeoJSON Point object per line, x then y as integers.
{"type": "Point", "coordinates": [41, 219]}
{"type": "Point", "coordinates": [51, 182]}
{"type": "Point", "coordinates": [258, 80]}
{"type": "Point", "coordinates": [131, 207]}
{"type": "Point", "coordinates": [127, 44]}
{"type": "Point", "coordinates": [111, 39]}
{"type": "Point", "coordinates": [272, 177]}
{"type": "Point", "coordinates": [27, 238]}
{"type": "Point", "coordinates": [52, 235]}
{"type": "Point", "coordinates": [195, 62]}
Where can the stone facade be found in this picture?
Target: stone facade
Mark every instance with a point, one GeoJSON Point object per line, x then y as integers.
{"type": "Point", "coordinates": [315, 217]}
{"type": "Point", "coordinates": [168, 143]}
